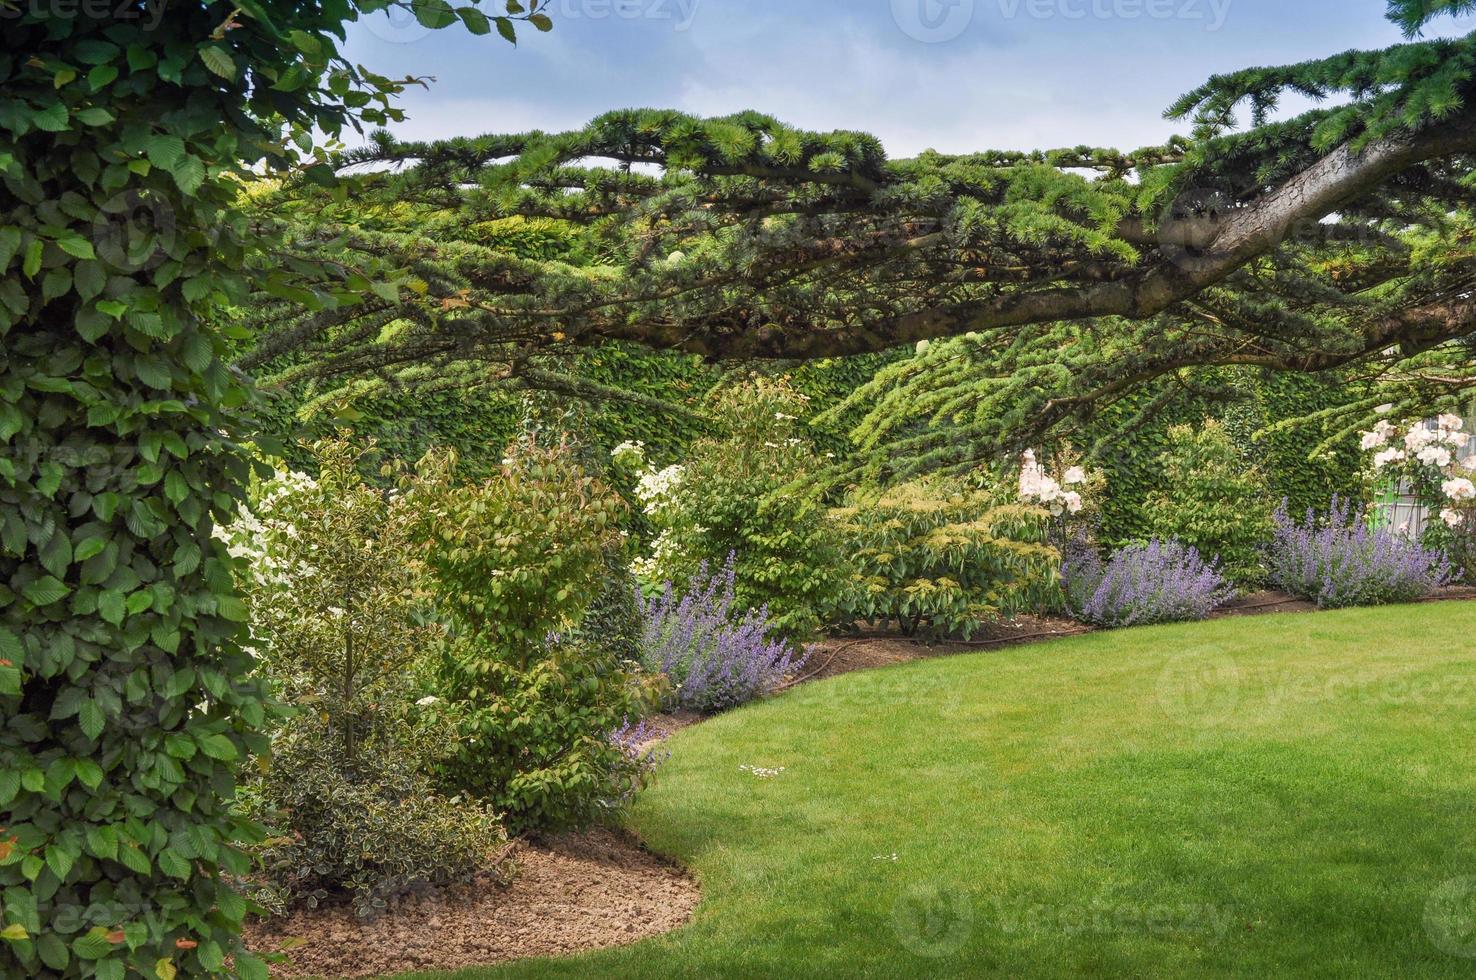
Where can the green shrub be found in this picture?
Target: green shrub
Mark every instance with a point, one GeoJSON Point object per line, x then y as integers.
{"type": "Point", "coordinates": [1214, 500]}
{"type": "Point", "coordinates": [937, 555]}
{"type": "Point", "coordinates": [533, 699]}
{"type": "Point", "coordinates": [745, 492]}
{"type": "Point", "coordinates": [374, 825]}
{"type": "Point", "coordinates": [334, 593]}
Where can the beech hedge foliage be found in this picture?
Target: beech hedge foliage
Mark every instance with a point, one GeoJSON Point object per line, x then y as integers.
{"type": "Point", "coordinates": [125, 129]}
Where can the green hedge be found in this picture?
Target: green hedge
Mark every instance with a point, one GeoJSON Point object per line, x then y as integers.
{"type": "Point", "coordinates": [1246, 401]}
{"type": "Point", "coordinates": [478, 425]}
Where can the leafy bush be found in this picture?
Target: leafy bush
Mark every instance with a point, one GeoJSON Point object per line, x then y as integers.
{"type": "Point", "coordinates": [531, 697]}
{"type": "Point", "coordinates": [746, 492]}
{"type": "Point", "coordinates": [935, 554]}
{"type": "Point", "coordinates": [1337, 560]}
{"type": "Point", "coordinates": [1157, 582]}
{"type": "Point", "coordinates": [715, 657]}
{"type": "Point", "coordinates": [374, 826]}
{"type": "Point", "coordinates": [334, 592]}
{"type": "Point", "coordinates": [1213, 500]}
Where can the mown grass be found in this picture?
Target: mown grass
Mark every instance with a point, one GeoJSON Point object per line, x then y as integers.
{"type": "Point", "coordinates": [1288, 795]}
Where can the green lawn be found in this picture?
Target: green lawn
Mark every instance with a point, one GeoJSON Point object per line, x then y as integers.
{"type": "Point", "coordinates": [1288, 795]}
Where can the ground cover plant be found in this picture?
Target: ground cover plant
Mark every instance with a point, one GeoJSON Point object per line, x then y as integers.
{"type": "Point", "coordinates": [1142, 584]}
{"type": "Point", "coordinates": [1266, 796]}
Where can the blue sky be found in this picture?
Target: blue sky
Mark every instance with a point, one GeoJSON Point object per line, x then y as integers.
{"type": "Point", "coordinates": [954, 75]}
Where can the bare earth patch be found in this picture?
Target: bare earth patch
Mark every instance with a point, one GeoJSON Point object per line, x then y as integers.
{"type": "Point", "coordinates": [571, 893]}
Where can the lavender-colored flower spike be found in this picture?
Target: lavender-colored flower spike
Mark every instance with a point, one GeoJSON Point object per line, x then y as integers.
{"type": "Point", "coordinates": [715, 657]}
{"type": "Point", "coordinates": [1157, 582]}
{"type": "Point", "coordinates": [1337, 560]}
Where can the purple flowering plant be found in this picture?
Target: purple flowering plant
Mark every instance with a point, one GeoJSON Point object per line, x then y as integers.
{"type": "Point", "coordinates": [1156, 582]}
{"type": "Point", "coordinates": [715, 655]}
{"type": "Point", "coordinates": [1337, 559]}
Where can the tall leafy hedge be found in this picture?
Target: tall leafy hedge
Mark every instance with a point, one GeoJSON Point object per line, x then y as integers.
{"type": "Point", "coordinates": [124, 708]}
{"type": "Point", "coordinates": [479, 424]}
{"type": "Point", "coordinates": [1248, 401]}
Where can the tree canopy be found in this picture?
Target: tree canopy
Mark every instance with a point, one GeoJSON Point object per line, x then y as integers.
{"type": "Point", "coordinates": [1333, 237]}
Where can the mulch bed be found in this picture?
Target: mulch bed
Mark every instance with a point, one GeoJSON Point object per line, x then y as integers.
{"type": "Point", "coordinates": [577, 892]}
{"type": "Point", "coordinates": [570, 893]}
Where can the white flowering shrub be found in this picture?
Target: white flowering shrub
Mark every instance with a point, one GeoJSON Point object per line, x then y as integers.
{"type": "Point", "coordinates": [1067, 492]}
{"type": "Point", "coordinates": [1061, 495]}
{"type": "Point", "coordinates": [335, 592]}
{"type": "Point", "coordinates": [1428, 459]}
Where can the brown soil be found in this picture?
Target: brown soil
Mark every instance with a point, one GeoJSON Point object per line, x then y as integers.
{"type": "Point", "coordinates": [1259, 603]}
{"type": "Point", "coordinates": [570, 893]}
{"type": "Point", "coordinates": [831, 658]}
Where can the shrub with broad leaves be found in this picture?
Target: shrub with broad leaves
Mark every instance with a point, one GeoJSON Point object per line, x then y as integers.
{"type": "Point", "coordinates": [715, 655]}
{"type": "Point", "coordinates": [747, 490]}
{"type": "Point", "coordinates": [940, 556]}
{"type": "Point", "coordinates": [1336, 559]}
{"type": "Point", "coordinates": [1156, 582]}
{"type": "Point", "coordinates": [335, 595]}
{"type": "Point", "coordinates": [517, 561]}
{"type": "Point", "coordinates": [1214, 500]}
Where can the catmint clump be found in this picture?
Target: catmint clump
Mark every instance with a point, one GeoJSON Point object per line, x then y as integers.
{"type": "Point", "coordinates": [715, 656]}
{"type": "Point", "coordinates": [1338, 560]}
{"type": "Point", "coordinates": [1157, 582]}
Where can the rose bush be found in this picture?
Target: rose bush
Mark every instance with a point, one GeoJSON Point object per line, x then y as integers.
{"type": "Point", "coordinates": [1429, 459]}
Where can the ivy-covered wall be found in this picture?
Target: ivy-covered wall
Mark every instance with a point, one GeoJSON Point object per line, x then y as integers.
{"type": "Point", "coordinates": [1247, 401]}
{"type": "Point", "coordinates": [478, 425]}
